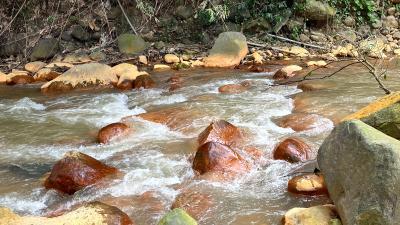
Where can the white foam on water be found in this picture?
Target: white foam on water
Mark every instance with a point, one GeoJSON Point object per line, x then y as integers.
{"type": "Point", "coordinates": [100, 110]}
{"type": "Point", "coordinates": [152, 170]}
{"type": "Point", "coordinates": [34, 203]}
{"type": "Point", "coordinates": [171, 99]}
{"type": "Point", "coordinates": [25, 105]}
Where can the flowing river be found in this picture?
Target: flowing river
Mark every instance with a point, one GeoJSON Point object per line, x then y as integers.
{"type": "Point", "coordinates": [37, 130]}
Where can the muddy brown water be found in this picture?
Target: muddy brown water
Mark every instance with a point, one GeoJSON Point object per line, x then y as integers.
{"type": "Point", "coordinates": [36, 130]}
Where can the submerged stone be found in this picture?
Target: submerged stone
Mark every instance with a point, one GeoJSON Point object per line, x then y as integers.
{"type": "Point", "coordinates": [76, 171]}
{"type": "Point", "coordinates": [177, 217]}
{"type": "Point", "coordinates": [95, 213]}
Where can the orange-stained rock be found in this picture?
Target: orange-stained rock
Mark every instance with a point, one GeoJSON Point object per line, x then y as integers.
{"type": "Point", "coordinates": [176, 118]}
{"type": "Point", "coordinates": [195, 203]}
{"type": "Point", "coordinates": [292, 150]}
{"type": "Point", "coordinates": [222, 132]}
{"type": "Point", "coordinates": [46, 74]}
{"type": "Point", "coordinates": [308, 184]}
{"type": "Point", "coordinates": [286, 72]}
{"type": "Point", "coordinates": [176, 82]}
{"type": "Point", "coordinates": [299, 121]}
{"type": "Point", "coordinates": [94, 213]}
{"type": "Point", "coordinates": [315, 85]}
{"type": "Point", "coordinates": [125, 85]}
{"type": "Point", "coordinates": [144, 81]}
{"type": "Point", "coordinates": [259, 69]}
{"type": "Point", "coordinates": [233, 88]}
{"type": "Point", "coordinates": [217, 157]}
{"type": "Point", "coordinates": [112, 131]}
{"type": "Point", "coordinates": [19, 78]}
{"type": "Point", "coordinates": [255, 153]}
{"type": "Point", "coordinates": [76, 171]}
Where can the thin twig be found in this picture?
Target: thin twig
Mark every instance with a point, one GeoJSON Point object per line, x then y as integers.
{"type": "Point", "coordinates": [126, 17]}
{"type": "Point", "coordinates": [9, 24]}
{"type": "Point", "coordinates": [269, 47]}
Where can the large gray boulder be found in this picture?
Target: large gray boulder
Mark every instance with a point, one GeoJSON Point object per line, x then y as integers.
{"type": "Point", "coordinates": [361, 166]}
{"type": "Point", "coordinates": [131, 44]}
{"type": "Point", "coordinates": [318, 11]}
{"type": "Point", "coordinates": [229, 49]}
{"type": "Point", "coordinates": [45, 49]}
{"type": "Point", "coordinates": [386, 120]}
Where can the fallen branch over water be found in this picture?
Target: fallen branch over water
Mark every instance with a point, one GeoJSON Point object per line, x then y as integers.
{"type": "Point", "coordinates": [296, 42]}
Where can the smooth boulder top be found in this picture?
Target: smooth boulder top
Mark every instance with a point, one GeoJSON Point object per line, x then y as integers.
{"type": "Point", "coordinates": [94, 213]}
{"type": "Point", "coordinates": [361, 166]}
{"type": "Point", "coordinates": [131, 44]}
{"type": "Point", "coordinates": [86, 75]}
{"type": "Point", "coordinates": [229, 49]}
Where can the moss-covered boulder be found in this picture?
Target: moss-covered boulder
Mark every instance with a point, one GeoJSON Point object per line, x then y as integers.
{"type": "Point", "coordinates": [361, 166]}
{"type": "Point", "coordinates": [229, 49]}
{"type": "Point", "coordinates": [131, 44]}
{"type": "Point", "coordinates": [317, 10]}
{"type": "Point", "coordinates": [386, 120]}
{"type": "Point", "coordinates": [80, 33]}
{"type": "Point", "coordinates": [177, 217]}
{"type": "Point", "coordinates": [45, 49]}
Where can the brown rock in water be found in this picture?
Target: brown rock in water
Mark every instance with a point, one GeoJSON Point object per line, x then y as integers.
{"type": "Point", "coordinates": [144, 81]}
{"type": "Point", "coordinates": [222, 132]}
{"type": "Point", "coordinates": [111, 132]}
{"type": "Point", "coordinates": [292, 150]}
{"type": "Point", "coordinates": [125, 85]}
{"type": "Point", "coordinates": [255, 153]}
{"type": "Point", "coordinates": [76, 171]}
{"type": "Point", "coordinates": [19, 77]}
{"type": "Point", "coordinates": [217, 157]}
{"type": "Point", "coordinates": [233, 88]}
{"type": "Point", "coordinates": [46, 74]}
{"type": "Point", "coordinates": [195, 203]}
{"type": "Point", "coordinates": [299, 121]}
{"type": "Point", "coordinates": [179, 118]}
{"type": "Point", "coordinates": [94, 213]}
{"type": "Point", "coordinates": [286, 72]}
{"type": "Point", "coordinates": [308, 184]}
{"type": "Point", "coordinates": [315, 85]}
{"type": "Point", "coordinates": [176, 82]}
{"type": "Point", "coordinates": [259, 69]}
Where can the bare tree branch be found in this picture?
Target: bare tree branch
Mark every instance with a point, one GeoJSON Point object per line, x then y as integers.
{"type": "Point", "coordinates": [126, 17]}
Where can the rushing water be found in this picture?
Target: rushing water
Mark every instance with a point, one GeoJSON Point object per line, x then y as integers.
{"type": "Point", "coordinates": [36, 130]}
